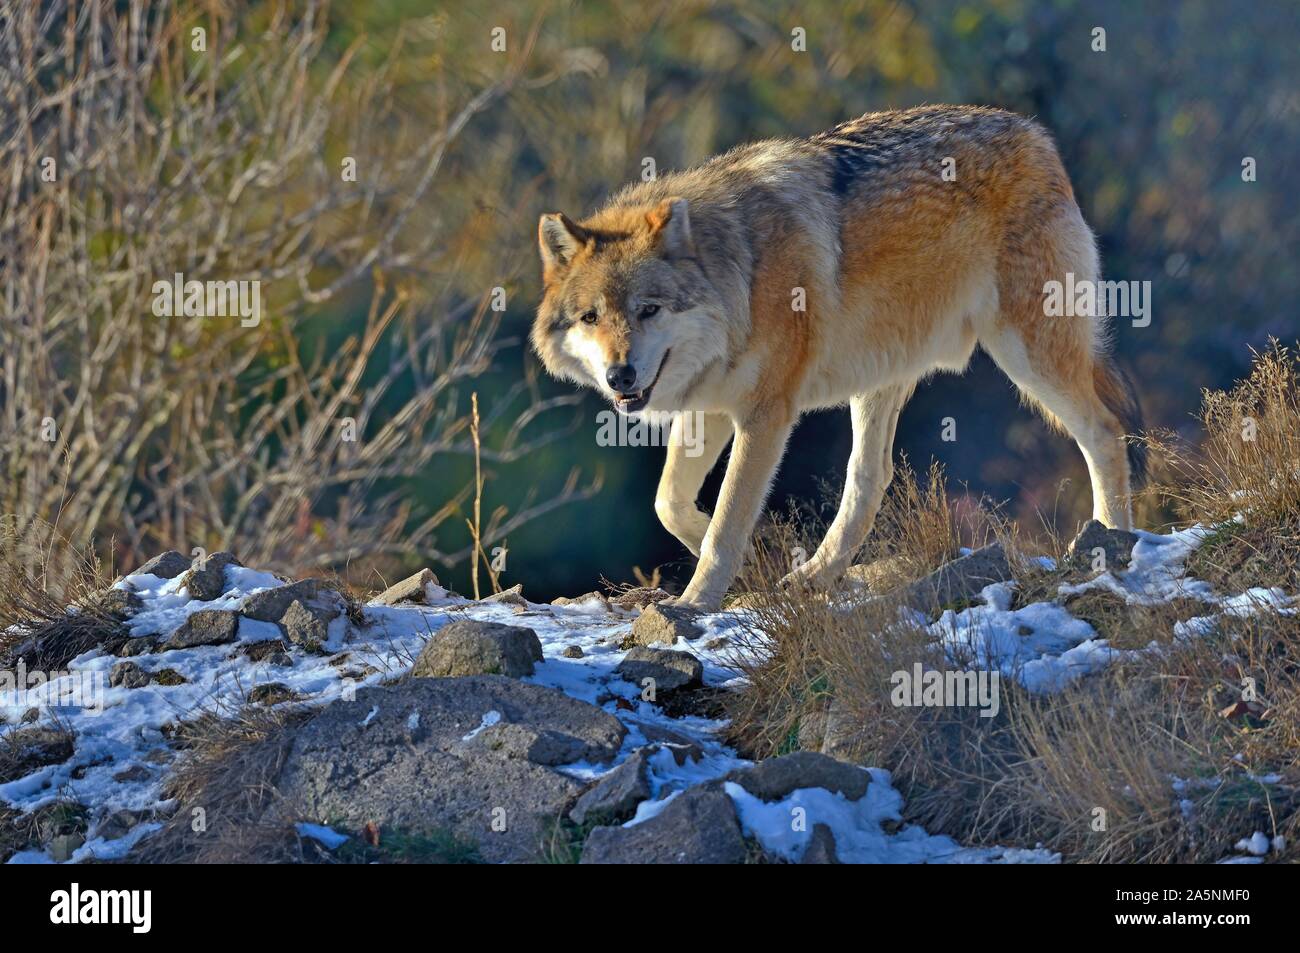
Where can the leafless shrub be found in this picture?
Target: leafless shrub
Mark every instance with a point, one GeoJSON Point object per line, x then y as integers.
{"type": "Point", "coordinates": [132, 157]}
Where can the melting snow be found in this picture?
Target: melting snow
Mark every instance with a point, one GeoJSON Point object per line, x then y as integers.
{"type": "Point", "coordinates": [1040, 645]}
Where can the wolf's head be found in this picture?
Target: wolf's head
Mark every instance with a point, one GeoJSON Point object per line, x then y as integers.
{"type": "Point", "coordinates": [626, 307]}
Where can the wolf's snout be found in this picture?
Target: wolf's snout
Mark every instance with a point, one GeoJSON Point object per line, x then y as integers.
{"type": "Point", "coordinates": [621, 377]}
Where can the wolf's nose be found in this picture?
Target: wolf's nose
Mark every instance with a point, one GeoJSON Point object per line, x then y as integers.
{"type": "Point", "coordinates": [621, 377]}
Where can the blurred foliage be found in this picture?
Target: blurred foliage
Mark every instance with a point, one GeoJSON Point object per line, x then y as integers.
{"type": "Point", "coordinates": [1153, 131]}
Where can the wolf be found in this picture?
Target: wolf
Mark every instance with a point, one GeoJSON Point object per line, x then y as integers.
{"type": "Point", "coordinates": [796, 274]}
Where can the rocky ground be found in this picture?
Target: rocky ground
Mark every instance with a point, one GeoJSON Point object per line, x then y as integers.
{"type": "Point", "coordinates": [422, 725]}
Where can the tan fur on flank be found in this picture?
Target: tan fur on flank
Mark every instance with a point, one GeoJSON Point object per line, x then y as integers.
{"type": "Point", "coordinates": [689, 286]}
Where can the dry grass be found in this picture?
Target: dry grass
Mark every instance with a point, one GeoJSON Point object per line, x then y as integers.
{"type": "Point", "coordinates": [225, 795]}
{"type": "Point", "coordinates": [1170, 754]}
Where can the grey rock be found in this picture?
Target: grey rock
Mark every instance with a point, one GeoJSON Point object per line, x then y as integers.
{"type": "Point", "coordinates": [308, 623]}
{"type": "Point", "coordinates": [613, 799]}
{"type": "Point", "coordinates": [681, 746]}
{"type": "Point", "coordinates": [404, 756]}
{"type": "Point", "coordinates": [205, 627]}
{"type": "Point", "coordinates": [166, 565]}
{"type": "Point", "coordinates": [208, 581]}
{"type": "Point", "coordinates": [1116, 544]}
{"type": "Point", "coordinates": [119, 603]}
{"type": "Point", "coordinates": [514, 596]}
{"type": "Point", "coordinates": [699, 826]}
{"type": "Point", "coordinates": [410, 589]}
{"type": "Point", "coordinates": [961, 580]}
{"type": "Point", "coordinates": [821, 848]}
{"type": "Point", "coordinates": [270, 605]}
{"type": "Point", "coordinates": [474, 647]}
{"type": "Point", "coordinates": [671, 671]}
{"type": "Point", "coordinates": [776, 778]}
{"type": "Point", "coordinates": [546, 746]}
{"type": "Point", "coordinates": [128, 675]}
{"type": "Point", "coordinates": [665, 624]}
{"type": "Point", "coordinates": [573, 651]}
{"type": "Point", "coordinates": [142, 645]}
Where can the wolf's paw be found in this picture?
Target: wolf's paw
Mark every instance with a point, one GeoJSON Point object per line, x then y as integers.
{"type": "Point", "coordinates": [694, 603]}
{"type": "Point", "coordinates": [809, 578]}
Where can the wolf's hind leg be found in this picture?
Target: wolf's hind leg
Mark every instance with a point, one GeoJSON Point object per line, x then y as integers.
{"type": "Point", "coordinates": [875, 417]}
{"type": "Point", "coordinates": [694, 445]}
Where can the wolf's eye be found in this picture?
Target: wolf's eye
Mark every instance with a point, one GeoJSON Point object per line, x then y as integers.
{"type": "Point", "coordinates": [649, 311]}
{"type": "Point", "coordinates": [589, 317]}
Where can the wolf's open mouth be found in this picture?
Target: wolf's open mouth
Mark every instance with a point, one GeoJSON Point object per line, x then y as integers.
{"type": "Point", "coordinates": [631, 403]}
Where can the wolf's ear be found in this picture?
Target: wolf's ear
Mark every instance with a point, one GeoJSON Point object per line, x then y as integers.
{"type": "Point", "coordinates": [672, 222]}
{"type": "Point", "coordinates": [560, 239]}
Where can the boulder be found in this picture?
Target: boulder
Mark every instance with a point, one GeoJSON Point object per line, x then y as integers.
{"type": "Point", "coordinates": [699, 826]}
{"type": "Point", "coordinates": [474, 647]}
{"type": "Point", "coordinates": [128, 675]}
{"type": "Point", "coordinates": [207, 581]}
{"type": "Point", "coordinates": [777, 778]}
{"type": "Point", "coordinates": [961, 580]}
{"type": "Point", "coordinates": [270, 605]}
{"type": "Point", "coordinates": [665, 624]}
{"type": "Point", "coordinates": [205, 627]}
{"type": "Point", "coordinates": [166, 565]}
{"type": "Point", "coordinates": [613, 799]}
{"type": "Point", "coordinates": [411, 589]}
{"type": "Point", "coordinates": [308, 623]}
{"type": "Point", "coordinates": [573, 651]}
{"type": "Point", "coordinates": [1115, 545]}
{"type": "Point", "coordinates": [539, 745]}
{"type": "Point", "coordinates": [671, 671]}
{"type": "Point", "coordinates": [407, 757]}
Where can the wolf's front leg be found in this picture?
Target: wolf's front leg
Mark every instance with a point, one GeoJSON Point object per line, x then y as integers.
{"type": "Point", "coordinates": [760, 441]}
{"type": "Point", "coordinates": [694, 445]}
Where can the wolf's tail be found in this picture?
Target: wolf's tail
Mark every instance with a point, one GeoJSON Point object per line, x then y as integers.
{"type": "Point", "coordinates": [1115, 388]}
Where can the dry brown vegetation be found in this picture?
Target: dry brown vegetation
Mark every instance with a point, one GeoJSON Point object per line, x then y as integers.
{"type": "Point", "coordinates": [1161, 757]}
{"type": "Point", "coordinates": [225, 794]}
{"type": "Point", "coordinates": [130, 157]}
